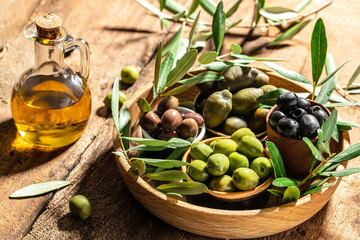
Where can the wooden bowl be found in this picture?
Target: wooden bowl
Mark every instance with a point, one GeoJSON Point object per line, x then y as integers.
{"type": "Point", "coordinates": [214, 222]}
{"type": "Point", "coordinates": [231, 196]}
{"type": "Point", "coordinates": [295, 153]}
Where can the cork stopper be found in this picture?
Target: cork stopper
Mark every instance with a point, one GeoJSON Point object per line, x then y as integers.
{"type": "Point", "coordinates": [48, 26]}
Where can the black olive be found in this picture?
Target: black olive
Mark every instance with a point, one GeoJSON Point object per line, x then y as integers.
{"type": "Point", "coordinates": [298, 113]}
{"type": "Point", "coordinates": [303, 103]}
{"type": "Point", "coordinates": [309, 125]}
{"type": "Point", "coordinates": [287, 101]}
{"type": "Point", "coordinates": [288, 127]}
{"type": "Point", "coordinates": [274, 118]}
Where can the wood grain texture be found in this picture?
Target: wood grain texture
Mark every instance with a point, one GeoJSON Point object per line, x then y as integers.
{"type": "Point", "coordinates": [122, 33]}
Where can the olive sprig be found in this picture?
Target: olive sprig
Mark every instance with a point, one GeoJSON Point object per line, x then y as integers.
{"type": "Point", "coordinates": [289, 21]}
{"type": "Point", "coordinates": [292, 189]}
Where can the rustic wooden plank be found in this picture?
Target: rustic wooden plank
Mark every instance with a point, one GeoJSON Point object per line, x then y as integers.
{"type": "Point", "coordinates": [116, 214]}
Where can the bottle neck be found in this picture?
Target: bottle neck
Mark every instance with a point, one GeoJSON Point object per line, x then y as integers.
{"type": "Point", "coordinates": [47, 53]}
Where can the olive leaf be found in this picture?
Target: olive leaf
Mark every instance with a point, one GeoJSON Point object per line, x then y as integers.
{"type": "Point", "coordinates": [329, 125]}
{"type": "Point", "coordinates": [208, 57]}
{"type": "Point", "coordinates": [178, 16]}
{"type": "Point", "coordinates": [183, 188]}
{"type": "Point", "coordinates": [179, 142]}
{"type": "Point", "coordinates": [271, 97]}
{"type": "Point", "coordinates": [340, 173]}
{"type": "Point", "coordinates": [316, 184]}
{"type": "Point", "coordinates": [244, 57]}
{"type": "Point", "coordinates": [292, 75]}
{"type": "Point", "coordinates": [179, 89]}
{"type": "Point", "coordinates": [353, 77]}
{"type": "Point", "coordinates": [259, 5]}
{"type": "Point", "coordinates": [174, 7]}
{"type": "Point", "coordinates": [208, 76]}
{"type": "Point", "coordinates": [235, 49]}
{"type": "Point", "coordinates": [165, 69]}
{"type": "Point", "coordinates": [218, 26]}
{"type": "Point", "coordinates": [179, 50]}
{"type": "Point", "coordinates": [313, 149]}
{"type": "Point", "coordinates": [355, 91]}
{"type": "Point", "coordinates": [177, 153]}
{"type": "Point", "coordinates": [233, 9]}
{"type": "Point", "coordinates": [157, 68]}
{"type": "Point", "coordinates": [143, 105]}
{"type": "Point", "coordinates": [124, 125]}
{"type": "Point", "coordinates": [332, 105]}
{"type": "Point", "coordinates": [115, 104]}
{"type": "Point", "coordinates": [276, 160]}
{"type": "Point", "coordinates": [182, 67]}
{"type": "Point", "coordinates": [148, 142]}
{"type": "Point", "coordinates": [347, 123]}
{"type": "Point", "coordinates": [326, 185]}
{"type": "Point", "coordinates": [174, 41]}
{"type": "Point", "coordinates": [277, 13]}
{"type": "Point", "coordinates": [193, 27]}
{"type": "Point", "coordinates": [169, 175]}
{"type": "Point", "coordinates": [37, 189]}
{"type": "Point", "coordinates": [153, 9]}
{"type": "Point", "coordinates": [193, 7]}
{"type": "Point", "coordinates": [302, 5]}
{"type": "Point", "coordinates": [162, 163]}
{"type": "Point", "coordinates": [331, 74]}
{"type": "Point", "coordinates": [234, 24]}
{"type": "Point", "coordinates": [318, 50]}
{"type": "Point", "coordinates": [328, 88]}
{"type": "Point", "coordinates": [120, 153]}
{"type": "Point", "coordinates": [336, 134]}
{"type": "Point", "coordinates": [162, 4]}
{"type": "Point", "coordinates": [349, 153]}
{"type": "Point", "coordinates": [321, 144]}
{"type": "Point", "coordinates": [138, 166]}
{"type": "Point", "coordinates": [209, 6]}
{"type": "Point", "coordinates": [285, 182]}
{"type": "Point", "coordinates": [223, 65]}
{"type": "Point", "coordinates": [276, 192]}
{"type": "Point", "coordinates": [144, 147]}
{"type": "Point", "coordinates": [290, 33]}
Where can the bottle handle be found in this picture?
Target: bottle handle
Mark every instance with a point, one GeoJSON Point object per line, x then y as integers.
{"type": "Point", "coordinates": [84, 49]}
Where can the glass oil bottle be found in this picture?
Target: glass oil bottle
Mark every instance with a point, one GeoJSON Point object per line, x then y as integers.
{"type": "Point", "coordinates": [50, 102]}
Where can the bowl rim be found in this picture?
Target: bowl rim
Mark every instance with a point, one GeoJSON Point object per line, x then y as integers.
{"type": "Point", "coordinates": [231, 196]}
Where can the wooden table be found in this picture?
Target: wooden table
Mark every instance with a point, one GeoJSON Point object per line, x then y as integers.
{"type": "Point", "coordinates": [122, 33]}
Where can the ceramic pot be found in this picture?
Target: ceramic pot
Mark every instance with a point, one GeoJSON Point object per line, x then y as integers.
{"type": "Point", "coordinates": [295, 153]}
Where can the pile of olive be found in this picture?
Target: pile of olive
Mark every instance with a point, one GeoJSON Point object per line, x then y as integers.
{"type": "Point", "coordinates": [168, 121]}
{"type": "Point", "coordinates": [229, 165]}
{"type": "Point", "coordinates": [296, 117]}
{"type": "Point", "coordinates": [230, 104]}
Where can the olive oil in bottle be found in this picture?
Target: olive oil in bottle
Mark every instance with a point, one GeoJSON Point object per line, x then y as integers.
{"type": "Point", "coordinates": [51, 103]}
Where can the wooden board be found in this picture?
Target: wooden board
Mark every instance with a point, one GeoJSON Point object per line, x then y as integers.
{"type": "Point", "coordinates": [122, 33]}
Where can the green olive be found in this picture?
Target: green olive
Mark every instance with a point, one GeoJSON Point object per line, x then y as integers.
{"type": "Point", "coordinates": [225, 146]}
{"type": "Point", "coordinates": [213, 143]}
{"type": "Point", "coordinates": [108, 98]}
{"type": "Point", "coordinates": [217, 107]}
{"type": "Point", "coordinates": [237, 160]}
{"type": "Point", "coordinates": [245, 178]}
{"type": "Point", "coordinates": [250, 147]}
{"type": "Point", "coordinates": [291, 194]}
{"type": "Point", "coordinates": [129, 74]}
{"type": "Point", "coordinates": [223, 183]}
{"type": "Point", "coordinates": [80, 206]}
{"type": "Point", "coordinates": [262, 166]}
{"type": "Point", "coordinates": [217, 164]}
{"type": "Point", "coordinates": [238, 134]}
{"type": "Point", "coordinates": [244, 101]}
{"type": "Point", "coordinates": [200, 151]}
{"type": "Point", "coordinates": [197, 171]}
{"type": "Point", "coordinates": [268, 88]}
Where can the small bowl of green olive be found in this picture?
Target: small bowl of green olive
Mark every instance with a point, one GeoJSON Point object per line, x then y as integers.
{"type": "Point", "coordinates": [234, 168]}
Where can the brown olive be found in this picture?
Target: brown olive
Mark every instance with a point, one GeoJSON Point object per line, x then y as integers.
{"type": "Point", "coordinates": [244, 100]}
{"type": "Point", "coordinates": [188, 128]}
{"type": "Point", "coordinates": [197, 117]}
{"type": "Point", "coordinates": [257, 120]}
{"type": "Point", "coordinates": [171, 120]}
{"type": "Point", "coordinates": [231, 124]}
{"type": "Point", "coordinates": [168, 102]}
{"type": "Point", "coordinates": [260, 78]}
{"type": "Point", "coordinates": [149, 121]}
{"type": "Point", "coordinates": [164, 135]}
